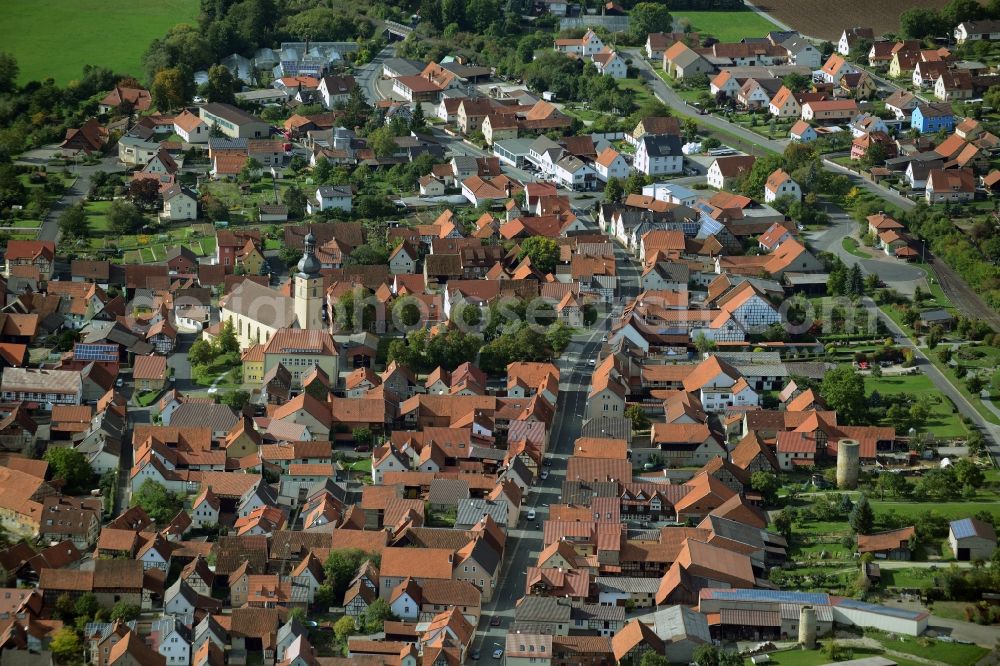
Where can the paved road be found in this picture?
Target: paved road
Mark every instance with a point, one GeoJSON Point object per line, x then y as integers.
{"type": "Point", "coordinates": [49, 229]}
{"type": "Point", "coordinates": [666, 95]}
{"type": "Point", "coordinates": [525, 543]}
{"type": "Point", "coordinates": [896, 274]}
{"type": "Point", "coordinates": [368, 76]}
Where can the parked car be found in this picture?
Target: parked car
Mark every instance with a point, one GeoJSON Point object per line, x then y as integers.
{"type": "Point", "coordinates": [531, 516]}
{"type": "Point", "coordinates": [495, 621]}
{"type": "Point", "coordinates": [475, 654]}
{"type": "Point", "coordinates": [497, 653]}
{"type": "Point", "coordinates": [544, 475]}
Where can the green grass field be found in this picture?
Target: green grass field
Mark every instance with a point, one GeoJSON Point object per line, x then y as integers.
{"type": "Point", "coordinates": [729, 26]}
{"type": "Point", "coordinates": [942, 422]}
{"type": "Point", "coordinates": [56, 38]}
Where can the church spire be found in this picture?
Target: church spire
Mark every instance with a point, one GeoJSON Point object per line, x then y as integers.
{"type": "Point", "coordinates": [309, 265]}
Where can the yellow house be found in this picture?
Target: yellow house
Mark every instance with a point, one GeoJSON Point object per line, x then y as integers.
{"type": "Point", "coordinates": [250, 258]}
{"type": "Point", "coordinates": [242, 440]}
{"type": "Point", "coordinates": [299, 351]}
{"type": "Point", "coordinates": [150, 373]}
{"type": "Point", "coordinates": [253, 363]}
{"type": "Point", "coordinates": [498, 127]}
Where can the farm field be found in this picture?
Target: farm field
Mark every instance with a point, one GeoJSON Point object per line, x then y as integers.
{"type": "Point", "coordinates": [56, 38]}
{"type": "Point", "coordinates": [731, 26]}
{"type": "Point", "coordinates": [814, 18]}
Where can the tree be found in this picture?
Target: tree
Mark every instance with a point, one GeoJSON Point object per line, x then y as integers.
{"type": "Point", "coordinates": [844, 390]}
{"type": "Point", "coordinates": [159, 503]}
{"type": "Point", "coordinates": [382, 141]}
{"type": "Point", "coordinates": [892, 484]}
{"type": "Point", "coordinates": [767, 484]}
{"type": "Point", "coordinates": [124, 611]}
{"type": "Point", "coordinates": [753, 183]}
{"type": "Point", "coordinates": [296, 202]}
{"type": "Point", "coordinates": [968, 473]}
{"type": "Point", "coordinates": [221, 86]}
{"type": "Point", "coordinates": [855, 281]}
{"type": "Point", "coordinates": [86, 605]}
{"type": "Point", "coordinates": [235, 399]}
{"type": "Point", "coordinates": [796, 83]}
{"type": "Point", "coordinates": [343, 629]}
{"type": "Point", "coordinates": [558, 336]}
{"type": "Point", "coordinates": [169, 90]}
{"type": "Point", "coordinates": [710, 655]}
{"type": "Point", "coordinates": [544, 253]}
{"type": "Point", "coordinates": [71, 466]}
{"type": "Point", "coordinates": [647, 17]}
{"type": "Point", "coordinates": [650, 658]}
{"type": "Point", "coordinates": [144, 192]}
{"type": "Point", "coordinates": [341, 566]}
{"type": "Point", "coordinates": [74, 223]}
{"type": "Point", "coordinates": [228, 343]}
{"type": "Point", "coordinates": [250, 173]}
{"type": "Point", "coordinates": [201, 352]}
{"type": "Point", "coordinates": [875, 155]}
{"type": "Point", "coordinates": [124, 218]}
{"type": "Point", "coordinates": [613, 191]}
{"type": "Point", "coordinates": [66, 645]}
{"type": "Point", "coordinates": [862, 518]}
{"type": "Point", "coordinates": [417, 120]}
{"type": "Point", "coordinates": [637, 416]}
{"type": "Point", "coordinates": [783, 523]}
{"type": "Point", "coordinates": [9, 71]}
{"type": "Point", "coordinates": [918, 22]}
{"type": "Point", "coordinates": [362, 435]}
{"type": "Point", "coordinates": [374, 617]}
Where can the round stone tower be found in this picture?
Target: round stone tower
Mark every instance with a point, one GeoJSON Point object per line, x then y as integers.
{"type": "Point", "coordinates": [848, 464]}
{"type": "Point", "coordinates": [807, 627]}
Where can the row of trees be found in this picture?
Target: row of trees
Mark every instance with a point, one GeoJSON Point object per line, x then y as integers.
{"type": "Point", "coordinates": [921, 22]}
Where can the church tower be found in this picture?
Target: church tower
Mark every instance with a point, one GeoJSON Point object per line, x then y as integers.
{"type": "Point", "coordinates": [309, 294]}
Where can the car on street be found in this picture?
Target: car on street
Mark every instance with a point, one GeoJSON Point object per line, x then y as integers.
{"type": "Point", "coordinates": [544, 475]}
{"type": "Point", "coordinates": [119, 382]}
{"type": "Point", "coordinates": [475, 654]}
{"type": "Point", "coordinates": [495, 621]}
{"type": "Point", "coordinates": [497, 653]}
{"type": "Point", "coordinates": [531, 516]}
{"type": "Point", "coordinates": [547, 463]}
{"type": "Point", "coordinates": [592, 363]}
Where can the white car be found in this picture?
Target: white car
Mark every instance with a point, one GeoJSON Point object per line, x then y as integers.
{"type": "Point", "coordinates": [592, 363]}
{"type": "Point", "coordinates": [544, 475]}
{"type": "Point", "coordinates": [497, 653]}
{"type": "Point", "coordinates": [531, 514]}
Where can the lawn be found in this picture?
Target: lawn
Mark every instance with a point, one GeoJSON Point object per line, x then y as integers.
{"type": "Point", "coordinates": [97, 216]}
{"type": "Point", "coordinates": [727, 26]}
{"type": "Point", "coordinates": [916, 578]}
{"type": "Point", "coordinates": [642, 95]}
{"type": "Point", "coordinates": [948, 510]}
{"type": "Point", "coordinates": [798, 657]}
{"type": "Point", "coordinates": [943, 421]}
{"type": "Point", "coordinates": [851, 245]}
{"type": "Point", "coordinates": [56, 38]}
{"type": "Point", "coordinates": [946, 653]}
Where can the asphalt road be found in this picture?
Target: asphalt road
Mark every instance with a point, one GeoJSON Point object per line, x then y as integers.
{"type": "Point", "coordinates": [368, 76]}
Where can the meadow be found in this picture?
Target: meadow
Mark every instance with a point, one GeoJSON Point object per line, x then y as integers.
{"type": "Point", "coordinates": [56, 38]}
{"type": "Point", "coordinates": [727, 26]}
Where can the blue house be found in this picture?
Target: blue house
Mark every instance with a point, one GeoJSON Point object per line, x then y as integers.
{"type": "Point", "coordinates": [933, 117]}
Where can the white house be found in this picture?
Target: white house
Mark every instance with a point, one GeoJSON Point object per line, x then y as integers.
{"type": "Point", "coordinates": [610, 164]}
{"type": "Point", "coordinates": [974, 31]}
{"type": "Point", "coordinates": [971, 539]}
{"type": "Point", "coordinates": [403, 260]}
{"type": "Point", "coordinates": [672, 193]}
{"type": "Point", "coordinates": [332, 196]}
{"type": "Point", "coordinates": [205, 509]}
{"type": "Point", "coordinates": [725, 171]}
{"type": "Point", "coordinates": [335, 89]}
{"type": "Point", "coordinates": [586, 46]}
{"type": "Point", "coordinates": [179, 203]}
{"type": "Point", "coordinates": [657, 155]}
{"type": "Point", "coordinates": [190, 127]}
{"type": "Point", "coordinates": [850, 38]}
{"type": "Point", "coordinates": [802, 131]}
{"type": "Point", "coordinates": [864, 123]}
{"type": "Point", "coordinates": [780, 184]}
{"type": "Point", "coordinates": [572, 172]}
{"type": "Point", "coordinates": [609, 63]}
{"type": "Point", "coordinates": [835, 68]}
{"type": "Point", "coordinates": [173, 641]}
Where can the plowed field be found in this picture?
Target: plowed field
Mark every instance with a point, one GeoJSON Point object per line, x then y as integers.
{"type": "Point", "coordinates": [827, 19]}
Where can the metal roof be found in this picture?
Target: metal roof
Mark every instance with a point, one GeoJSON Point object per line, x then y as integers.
{"type": "Point", "coordinates": [901, 613]}
{"type": "Point", "coordinates": [780, 596]}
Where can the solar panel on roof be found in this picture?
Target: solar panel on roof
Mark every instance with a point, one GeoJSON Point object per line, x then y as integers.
{"type": "Point", "coordinates": [963, 528]}
{"type": "Point", "coordinates": [95, 352]}
{"type": "Point", "coordinates": [783, 596]}
{"type": "Point", "coordinates": [881, 610]}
